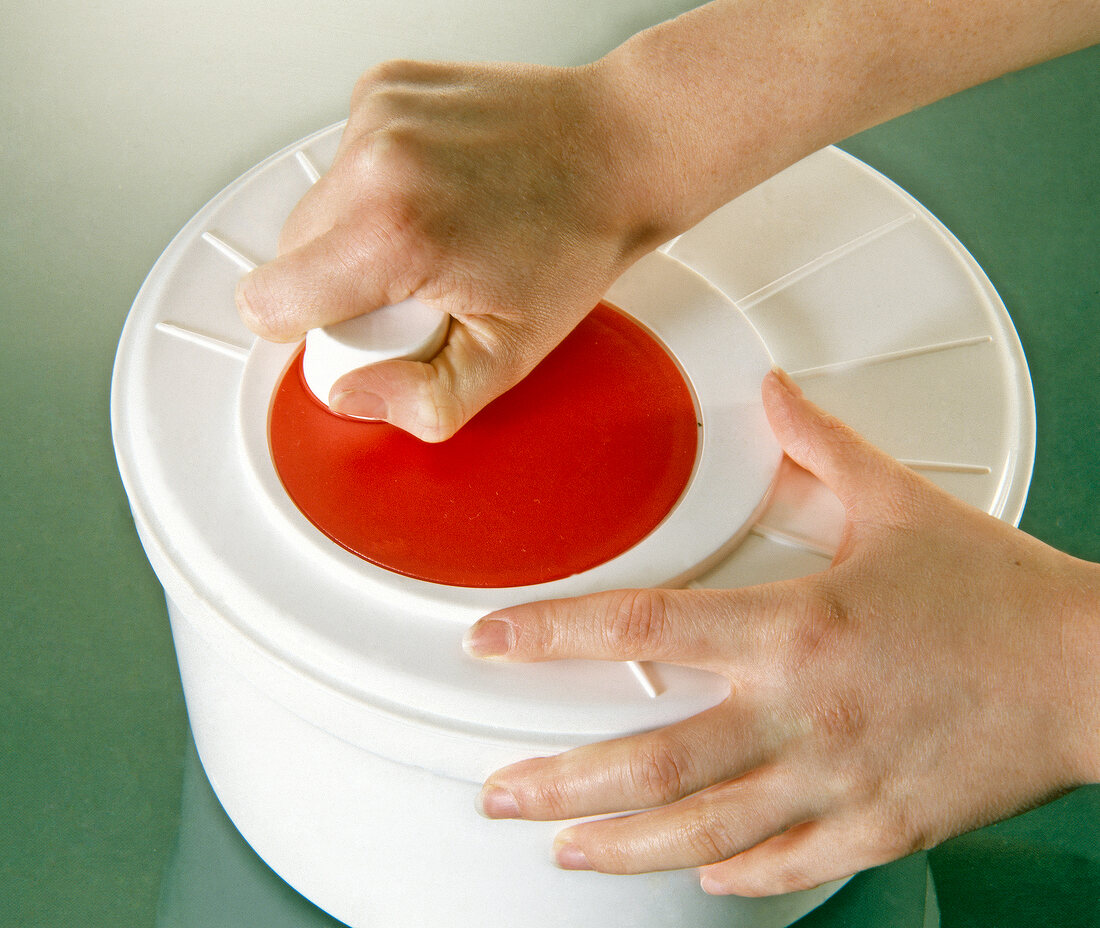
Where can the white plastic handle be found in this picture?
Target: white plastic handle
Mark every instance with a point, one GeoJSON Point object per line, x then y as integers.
{"type": "Point", "coordinates": [405, 331]}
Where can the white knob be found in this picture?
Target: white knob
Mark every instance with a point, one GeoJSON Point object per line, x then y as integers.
{"type": "Point", "coordinates": [405, 331]}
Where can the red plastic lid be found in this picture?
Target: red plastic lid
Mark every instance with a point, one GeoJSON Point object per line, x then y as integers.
{"type": "Point", "coordinates": [567, 470]}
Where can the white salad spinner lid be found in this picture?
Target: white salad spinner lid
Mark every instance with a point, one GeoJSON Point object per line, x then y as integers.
{"type": "Point", "coordinates": [828, 268]}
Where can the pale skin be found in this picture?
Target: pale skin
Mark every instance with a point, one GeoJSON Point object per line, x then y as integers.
{"type": "Point", "coordinates": [944, 672]}
{"type": "Point", "coordinates": [939, 676]}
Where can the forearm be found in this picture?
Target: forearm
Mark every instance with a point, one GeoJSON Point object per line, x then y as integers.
{"type": "Point", "coordinates": [734, 91]}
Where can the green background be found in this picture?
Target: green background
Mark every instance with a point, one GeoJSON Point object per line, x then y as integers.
{"type": "Point", "coordinates": [117, 122]}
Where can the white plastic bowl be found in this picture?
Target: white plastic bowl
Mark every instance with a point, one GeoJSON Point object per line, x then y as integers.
{"type": "Point", "coordinates": [336, 716]}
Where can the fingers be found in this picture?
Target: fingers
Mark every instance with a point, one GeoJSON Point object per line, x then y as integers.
{"type": "Point", "coordinates": [705, 828]}
{"type": "Point", "coordinates": [348, 247]}
{"type": "Point", "coordinates": [434, 400]}
{"type": "Point", "coordinates": [801, 858]}
{"type": "Point", "coordinates": [333, 277]}
{"type": "Point", "coordinates": [636, 772]}
{"type": "Point", "coordinates": [313, 215]}
{"type": "Point", "coordinates": [709, 629]}
{"type": "Point", "coordinates": [866, 480]}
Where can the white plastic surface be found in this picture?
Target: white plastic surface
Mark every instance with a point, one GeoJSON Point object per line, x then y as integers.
{"type": "Point", "coordinates": [873, 307]}
{"type": "Point", "coordinates": [405, 331]}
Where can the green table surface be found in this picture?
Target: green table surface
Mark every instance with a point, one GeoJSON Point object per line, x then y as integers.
{"type": "Point", "coordinates": [118, 120]}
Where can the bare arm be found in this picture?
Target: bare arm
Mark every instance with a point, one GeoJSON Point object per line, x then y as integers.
{"type": "Point", "coordinates": [736, 90]}
{"type": "Point", "coordinates": [512, 195]}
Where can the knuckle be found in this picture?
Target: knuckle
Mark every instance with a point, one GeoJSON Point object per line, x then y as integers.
{"type": "Point", "coordinates": [708, 835]}
{"type": "Point", "coordinates": [840, 431]}
{"type": "Point", "coordinates": [439, 411]}
{"type": "Point", "coordinates": [398, 228]}
{"type": "Point", "coordinates": [387, 238]}
{"type": "Point", "coordinates": [848, 781]}
{"type": "Point", "coordinates": [790, 876]}
{"type": "Point", "coordinates": [817, 625]}
{"type": "Point", "coordinates": [608, 855]}
{"type": "Point", "coordinates": [661, 772]}
{"type": "Point", "coordinates": [538, 636]}
{"type": "Point", "coordinates": [291, 236]}
{"type": "Point", "coordinates": [895, 834]}
{"type": "Point", "coordinates": [371, 78]}
{"type": "Point", "coordinates": [548, 799]}
{"type": "Point", "coordinates": [829, 610]}
{"type": "Point", "coordinates": [834, 439]}
{"type": "Point", "coordinates": [259, 309]}
{"type": "Point", "coordinates": [307, 217]}
{"type": "Point", "coordinates": [396, 69]}
{"type": "Point", "coordinates": [637, 622]}
{"type": "Point", "coordinates": [386, 153]}
{"type": "Point", "coordinates": [439, 423]}
{"type": "Point", "coordinates": [390, 110]}
{"type": "Point", "coordinates": [379, 75]}
{"type": "Point", "coordinates": [398, 148]}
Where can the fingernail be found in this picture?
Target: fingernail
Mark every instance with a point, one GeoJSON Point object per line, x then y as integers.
{"type": "Point", "coordinates": [710, 885]}
{"type": "Point", "coordinates": [571, 857]}
{"type": "Point", "coordinates": [488, 638]}
{"type": "Point", "coordinates": [360, 405]}
{"type": "Point", "coordinates": [497, 802]}
{"type": "Point", "coordinates": [785, 380]}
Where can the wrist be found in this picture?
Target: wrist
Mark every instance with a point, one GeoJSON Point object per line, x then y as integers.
{"type": "Point", "coordinates": [1079, 631]}
{"type": "Point", "coordinates": [643, 189]}
{"type": "Point", "coordinates": [725, 96]}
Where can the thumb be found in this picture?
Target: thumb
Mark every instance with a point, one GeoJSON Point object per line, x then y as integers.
{"type": "Point", "coordinates": [328, 279]}
{"type": "Point", "coordinates": [433, 400]}
{"type": "Point", "coordinates": [864, 478]}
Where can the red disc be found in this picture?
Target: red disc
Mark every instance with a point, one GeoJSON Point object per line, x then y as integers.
{"type": "Point", "coordinates": [570, 468]}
